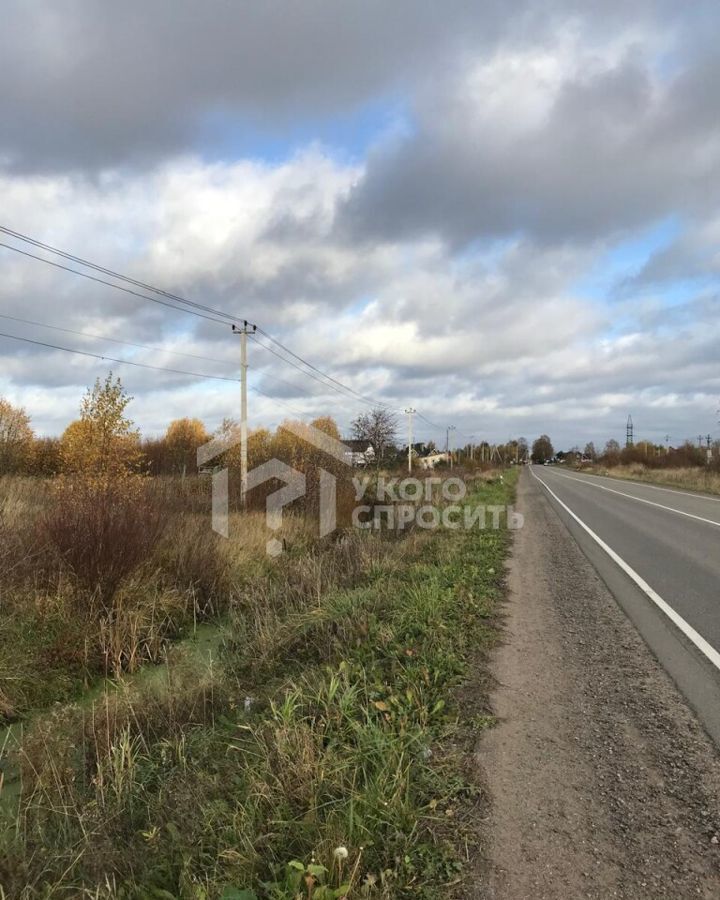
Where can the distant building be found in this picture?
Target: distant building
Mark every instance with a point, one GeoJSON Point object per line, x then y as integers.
{"type": "Point", "coordinates": [359, 452]}
{"type": "Point", "coordinates": [431, 459]}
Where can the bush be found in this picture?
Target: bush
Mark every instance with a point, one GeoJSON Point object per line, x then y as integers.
{"type": "Point", "coordinates": [103, 529]}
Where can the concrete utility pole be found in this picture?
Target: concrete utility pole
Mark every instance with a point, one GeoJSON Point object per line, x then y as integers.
{"type": "Point", "coordinates": [448, 446]}
{"type": "Point", "coordinates": [410, 412]}
{"type": "Point", "coordinates": [243, 332]}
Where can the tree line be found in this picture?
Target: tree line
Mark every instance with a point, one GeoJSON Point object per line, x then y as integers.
{"type": "Point", "coordinates": [649, 454]}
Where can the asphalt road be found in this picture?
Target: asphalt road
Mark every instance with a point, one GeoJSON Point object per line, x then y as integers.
{"type": "Point", "coordinates": [604, 783]}
{"type": "Point", "coordinates": [657, 551]}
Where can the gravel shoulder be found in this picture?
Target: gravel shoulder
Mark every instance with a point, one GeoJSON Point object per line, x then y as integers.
{"type": "Point", "coordinates": [603, 783]}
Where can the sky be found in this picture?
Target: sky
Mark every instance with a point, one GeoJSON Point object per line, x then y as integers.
{"type": "Point", "coordinates": [504, 215]}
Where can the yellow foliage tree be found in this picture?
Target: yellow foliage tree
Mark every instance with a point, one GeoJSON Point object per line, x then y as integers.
{"type": "Point", "coordinates": [327, 425]}
{"type": "Point", "coordinates": [103, 441]}
{"type": "Point", "coordinates": [260, 445]}
{"type": "Point", "coordinates": [16, 437]}
{"type": "Point", "coordinates": [182, 439]}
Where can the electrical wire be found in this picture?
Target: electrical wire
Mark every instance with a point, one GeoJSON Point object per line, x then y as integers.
{"type": "Point", "coordinates": [102, 337]}
{"type": "Point", "coordinates": [350, 396]}
{"type": "Point", "coordinates": [198, 309]}
{"type": "Point", "coordinates": [128, 362]}
{"type": "Point", "coordinates": [188, 306]}
{"type": "Point", "coordinates": [360, 396]}
{"type": "Point", "coordinates": [124, 362]}
{"type": "Point", "coordinates": [105, 271]}
{"type": "Point", "coordinates": [428, 422]}
{"type": "Point", "coordinates": [118, 287]}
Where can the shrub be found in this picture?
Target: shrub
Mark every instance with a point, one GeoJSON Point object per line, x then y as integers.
{"type": "Point", "coordinates": [103, 529]}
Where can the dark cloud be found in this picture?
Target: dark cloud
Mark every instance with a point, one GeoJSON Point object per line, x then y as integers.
{"type": "Point", "coordinates": [608, 148]}
{"type": "Point", "coordinates": [86, 84]}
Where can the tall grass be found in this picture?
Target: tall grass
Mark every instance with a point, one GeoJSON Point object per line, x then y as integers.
{"type": "Point", "coordinates": [692, 479]}
{"type": "Point", "coordinates": [97, 582]}
{"type": "Point", "coordinates": [324, 720]}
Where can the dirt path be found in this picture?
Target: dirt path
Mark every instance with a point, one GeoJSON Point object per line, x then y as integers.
{"type": "Point", "coordinates": [603, 783]}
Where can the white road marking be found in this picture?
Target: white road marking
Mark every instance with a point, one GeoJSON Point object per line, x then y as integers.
{"type": "Point", "coordinates": [655, 487]}
{"type": "Point", "coordinates": [603, 487]}
{"type": "Point", "coordinates": [703, 646]}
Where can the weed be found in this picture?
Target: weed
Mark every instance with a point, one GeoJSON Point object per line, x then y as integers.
{"type": "Point", "coordinates": [340, 777]}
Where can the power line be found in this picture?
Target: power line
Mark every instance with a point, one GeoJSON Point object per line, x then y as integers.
{"type": "Point", "coordinates": [320, 372]}
{"type": "Point", "coordinates": [432, 424]}
{"type": "Point", "coordinates": [198, 309]}
{"type": "Point", "coordinates": [105, 271]}
{"type": "Point", "coordinates": [188, 306]}
{"type": "Point", "coordinates": [124, 362]}
{"type": "Point", "coordinates": [118, 287]}
{"type": "Point", "coordinates": [194, 306]}
{"type": "Point", "coordinates": [102, 337]}
{"type": "Point", "coordinates": [128, 362]}
{"type": "Point", "coordinates": [292, 409]}
{"type": "Point", "coordinates": [348, 393]}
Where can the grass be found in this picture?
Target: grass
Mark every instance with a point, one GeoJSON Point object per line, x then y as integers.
{"type": "Point", "coordinates": [57, 637]}
{"type": "Point", "coordinates": [318, 748]}
{"type": "Point", "coordinates": [690, 479]}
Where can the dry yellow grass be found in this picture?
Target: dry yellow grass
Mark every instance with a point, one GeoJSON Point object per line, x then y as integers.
{"type": "Point", "coordinates": [695, 479]}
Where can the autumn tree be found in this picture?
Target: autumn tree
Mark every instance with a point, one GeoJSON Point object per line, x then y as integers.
{"type": "Point", "coordinates": [379, 427]}
{"type": "Point", "coordinates": [16, 438]}
{"type": "Point", "coordinates": [104, 519]}
{"type": "Point", "coordinates": [103, 441]}
{"type": "Point", "coordinates": [611, 453]}
{"type": "Point", "coordinates": [542, 449]}
{"type": "Point", "coordinates": [45, 456]}
{"type": "Point", "coordinates": [182, 440]}
{"type": "Point", "coordinates": [260, 445]}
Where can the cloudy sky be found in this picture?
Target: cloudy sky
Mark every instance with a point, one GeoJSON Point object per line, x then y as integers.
{"type": "Point", "coordinates": [508, 220]}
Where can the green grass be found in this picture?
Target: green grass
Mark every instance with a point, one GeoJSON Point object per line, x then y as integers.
{"type": "Point", "coordinates": [331, 719]}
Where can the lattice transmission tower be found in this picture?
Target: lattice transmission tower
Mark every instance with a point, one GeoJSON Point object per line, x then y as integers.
{"type": "Point", "coordinates": [629, 441]}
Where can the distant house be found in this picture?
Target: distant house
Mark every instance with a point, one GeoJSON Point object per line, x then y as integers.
{"type": "Point", "coordinates": [417, 450]}
{"type": "Point", "coordinates": [431, 459]}
{"type": "Point", "coordinates": [359, 452]}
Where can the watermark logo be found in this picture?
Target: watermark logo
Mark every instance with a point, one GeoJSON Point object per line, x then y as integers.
{"type": "Point", "coordinates": [295, 482]}
{"type": "Point", "coordinates": [396, 504]}
{"type": "Point", "coordinates": [428, 503]}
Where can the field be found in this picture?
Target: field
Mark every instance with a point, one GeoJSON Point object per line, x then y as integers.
{"type": "Point", "coordinates": [219, 724]}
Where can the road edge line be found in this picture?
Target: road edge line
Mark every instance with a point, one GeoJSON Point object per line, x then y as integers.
{"type": "Point", "coordinates": [697, 639]}
{"type": "Point", "coordinates": [696, 495]}
{"type": "Point", "coordinates": [603, 487]}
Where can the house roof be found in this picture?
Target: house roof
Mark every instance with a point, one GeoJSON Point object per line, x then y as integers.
{"type": "Point", "coordinates": [358, 446]}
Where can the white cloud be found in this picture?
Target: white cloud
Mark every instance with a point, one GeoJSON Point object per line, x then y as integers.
{"type": "Point", "coordinates": [441, 270]}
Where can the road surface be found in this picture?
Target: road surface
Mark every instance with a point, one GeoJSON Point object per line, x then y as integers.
{"type": "Point", "coordinates": [602, 781]}
{"type": "Point", "coordinates": [658, 549]}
